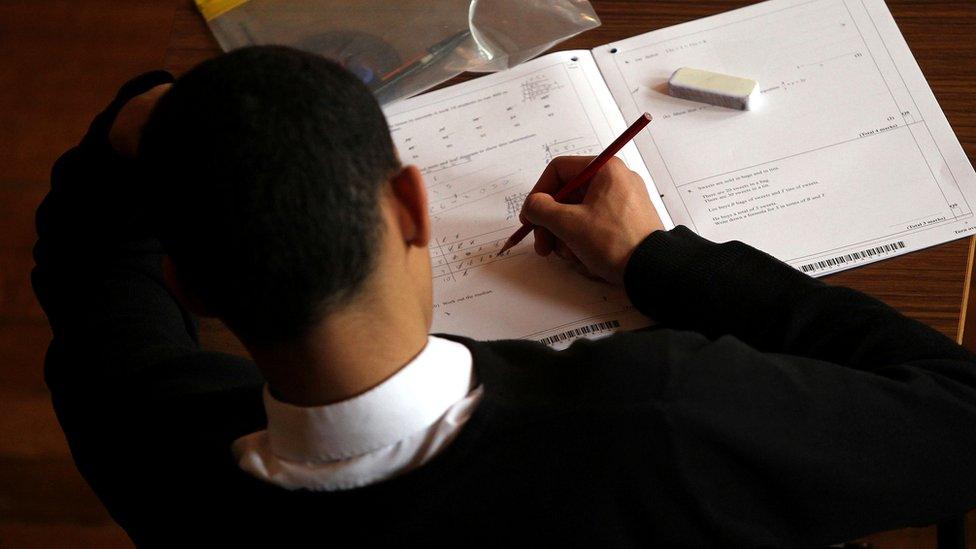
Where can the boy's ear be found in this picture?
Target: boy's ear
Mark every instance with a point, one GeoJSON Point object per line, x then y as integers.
{"type": "Point", "coordinates": [183, 293]}
{"type": "Point", "coordinates": [410, 197]}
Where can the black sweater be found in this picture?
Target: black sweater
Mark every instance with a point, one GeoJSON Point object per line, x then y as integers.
{"type": "Point", "coordinates": [768, 409]}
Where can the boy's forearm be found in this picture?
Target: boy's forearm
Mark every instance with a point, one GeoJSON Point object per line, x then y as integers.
{"type": "Point", "coordinates": [687, 282]}
{"type": "Point", "coordinates": [97, 273]}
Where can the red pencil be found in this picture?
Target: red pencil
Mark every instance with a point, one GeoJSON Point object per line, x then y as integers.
{"type": "Point", "coordinates": [585, 176]}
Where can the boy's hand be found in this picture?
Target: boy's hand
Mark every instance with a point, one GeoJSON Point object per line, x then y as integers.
{"type": "Point", "coordinates": [600, 233]}
{"type": "Point", "coordinates": [127, 129]}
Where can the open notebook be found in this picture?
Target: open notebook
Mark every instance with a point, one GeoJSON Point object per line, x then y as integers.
{"type": "Point", "coordinates": [848, 160]}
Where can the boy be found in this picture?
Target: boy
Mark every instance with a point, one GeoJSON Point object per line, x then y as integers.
{"type": "Point", "coordinates": [767, 409]}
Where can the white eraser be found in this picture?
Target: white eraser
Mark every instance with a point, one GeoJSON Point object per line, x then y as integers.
{"type": "Point", "coordinates": [714, 88]}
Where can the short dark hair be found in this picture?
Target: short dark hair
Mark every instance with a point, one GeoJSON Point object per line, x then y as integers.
{"type": "Point", "coordinates": [266, 166]}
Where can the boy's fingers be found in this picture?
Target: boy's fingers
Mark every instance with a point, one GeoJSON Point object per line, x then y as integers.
{"type": "Point", "coordinates": [544, 241]}
{"type": "Point", "coordinates": [560, 219]}
{"type": "Point", "coordinates": [559, 172]}
{"type": "Point", "coordinates": [563, 251]}
{"type": "Point", "coordinates": [126, 130]}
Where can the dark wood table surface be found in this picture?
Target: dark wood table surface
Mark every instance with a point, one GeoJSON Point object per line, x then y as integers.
{"type": "Point", "coordinates": [927, 285]}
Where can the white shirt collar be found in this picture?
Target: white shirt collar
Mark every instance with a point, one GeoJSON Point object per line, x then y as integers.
{"type": "Point", "coordinates": [409, 401]}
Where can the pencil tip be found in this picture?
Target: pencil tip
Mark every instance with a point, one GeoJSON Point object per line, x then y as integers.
{"type": "Point", "coordinates": [508, 244]}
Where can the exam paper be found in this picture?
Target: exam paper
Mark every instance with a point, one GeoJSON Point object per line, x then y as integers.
{"type": "Point", "coordinates": [847, 160]}
{"type": "Point", "coordinates": [482, 146]}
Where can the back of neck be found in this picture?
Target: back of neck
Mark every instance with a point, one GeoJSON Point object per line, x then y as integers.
{"type": "Point", "coordinates": [346, 354]}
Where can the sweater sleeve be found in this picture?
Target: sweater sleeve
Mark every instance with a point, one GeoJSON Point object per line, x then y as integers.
{"type": "Point", "coordinates": [98, 272]}
{"type": "Point", "coordinates": [808, 413]}
{"type": "Point", "coordinates": [689, 283]}
{"type": "Point", "coordinates": [124, 361]}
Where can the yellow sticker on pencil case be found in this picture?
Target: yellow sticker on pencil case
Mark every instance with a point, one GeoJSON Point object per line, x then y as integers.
{"type": "Point", "coordinates": [211, 9]}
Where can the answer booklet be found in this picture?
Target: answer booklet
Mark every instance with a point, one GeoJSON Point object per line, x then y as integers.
{"type": "Point", "coordinates": [848, 159]}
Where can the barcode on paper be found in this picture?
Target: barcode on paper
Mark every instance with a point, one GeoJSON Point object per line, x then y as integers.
{"type": "Point", "coordinates": [853, 257]}
{"type": "Point", "coordinates": [581, 331]}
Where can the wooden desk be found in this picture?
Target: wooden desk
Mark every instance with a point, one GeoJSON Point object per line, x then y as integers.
{"type": "Point", "coordinates": [927, 285]}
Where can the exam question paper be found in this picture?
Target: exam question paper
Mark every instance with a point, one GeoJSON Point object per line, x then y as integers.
{"type": "Point", "coordinates": [847, 160]}
{"type": "Point", "coordinates": [481, 147]}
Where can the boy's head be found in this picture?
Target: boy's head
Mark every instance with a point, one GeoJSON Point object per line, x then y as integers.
{"type": "Point", "coordinates": [276, 186]}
